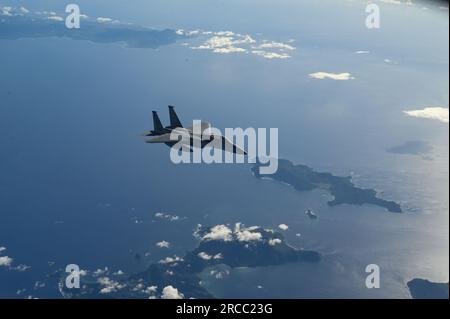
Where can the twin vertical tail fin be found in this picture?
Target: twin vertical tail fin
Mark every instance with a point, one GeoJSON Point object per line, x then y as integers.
{"type": "Point", "coordinates": [174, 120]}
{"type": "Point", "coordinates": [157, 126]}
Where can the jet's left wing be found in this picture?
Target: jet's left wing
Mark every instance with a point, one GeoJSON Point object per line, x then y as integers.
{"type": "Point", "coordinates": [226, 145]}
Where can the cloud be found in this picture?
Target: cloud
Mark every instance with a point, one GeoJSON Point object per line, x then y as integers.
{"type": "Point", "coordinates": [151, 289]}
{"type": "Point", "coordinates": [169, 217]}
{"type": "Point", "coordinates": [219, 274]}
{"type": "Point", "coordinates": [5, 261]}
{"type": "Point", "coordinates": [283, 226]}
{"type": "Point", "coordinates": [275, 45]}
{"type": "Point", "coordinates": [245, 39]}
{"type": "Point", "coordinates": [22, 268]}
{"type": "Point", "coordinates": [2, 248]}
{"type": "Point", "coordinates": [334, 76]}
{"type": "Point", "coordinates": [163, 244]}
{"type": "Point", "coordinates": [274, 241]}
{"type": "Point", "coordinates": [205, 256]}
{"type": "Point", "coordinates": [433, 113]}
{"type": "Point", "coordinates": [170, 260]}
{"type": "Point", "coordinates": [220, 44]}
{"type": "Point", "coordinates": [55, 18]}
{"type": "Point", "coordinates": [397, 2]}
{"type": "Point", "coordinates": [7, 11]}
{"type": "Point", "coordinates": [170, 292]}
{"type": "Point", "coordinates": [24, 10]}
{"type": "Point", "coordinates": [229, 42]}
{"type": "Point", "coordinates": [230, 49]}
{"type": "Point", "coordinates": [244, 234]}
{"type": "Point", "coordinates": [99, 271]}
{"type": "Point", "coordinates": [109, 285]}
{"type": "Point", "coordinates": [271, 55]}
{"type": "Point", "coordinates": [219, 232]}
{"type": "Point", "coordinates": [239, 233]}
{"type": "Point", "coordinates": [362, 52]}
{"type": "Point", "coordinates": [104, 20]}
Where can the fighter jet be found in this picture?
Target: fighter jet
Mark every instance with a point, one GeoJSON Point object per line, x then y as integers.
{"type": "Point", "coordinates": [162, 135]}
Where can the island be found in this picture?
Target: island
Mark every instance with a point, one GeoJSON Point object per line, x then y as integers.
{"type": "Point", "coordinates": [303, 178]}
{"type": "Point", "coordinates": [35, 26]}
{"type": "Point", "coordinates": [232, 246]}
{"type": "Point", "coordinates": [424, 289]}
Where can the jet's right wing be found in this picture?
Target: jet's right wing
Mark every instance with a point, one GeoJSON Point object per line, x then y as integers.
{"type": "Point", "coordinates": [164, 138]}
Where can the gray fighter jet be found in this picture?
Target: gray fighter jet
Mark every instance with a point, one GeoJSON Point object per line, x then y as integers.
{"type": "Point", "coordinates": [162, 134]}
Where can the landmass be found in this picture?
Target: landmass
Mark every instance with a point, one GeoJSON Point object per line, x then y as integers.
{"type": "Point", "coordinates": [424, 289]}
{"type": "Point", "coordinates": [411, 148]}
{"type": "Point", "coordinates": [237, 246]}
{"type": "Point", "coordinates": [303, 178]}
{"type": "Point", "coordinates": [35, 26]}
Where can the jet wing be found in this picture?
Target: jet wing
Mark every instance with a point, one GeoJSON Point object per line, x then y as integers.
{"type": "Point", "coordinates": [226, 145]}
{"type": "Point", "coordinates": [165, 138]}
{"type": "Point", "coordinates": [229, 146]}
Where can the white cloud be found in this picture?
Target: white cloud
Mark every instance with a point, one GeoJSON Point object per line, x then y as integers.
{"type": "Point", "coordinates": [169, 217]}
{"type": "Point", "coordinates": [24, 10]}
{"type": "Point", "coordinates": [170, 292]}
{"type": "Point", "coordinates": [216, 42]}
{"type": "Point", "coordinates": [5, 261]}
{"type": "Point", "coordinates": [271, 55]}
{"type": "Point", "coordinates": [218, 274]}
{"type": "Point", "coordinates": [244, 234]}
{"type": "Point", "coordinates": [193, 32]}
{"type": "Point", "coordinates": [334, 76]}
{"type": "Point", "coordinates": [274, 241]}
{"type": "Point", "coordinates": [283, 226]}
{"type": "Point", "coordinates": [433, 113]}
{"type": "Point", "coordinates": [169, 260]}
{"type": "Point", "coordinates": [7, 11]}
{"type": "Point", "coordinates": [229, 42]}
{"type": "Point", "coordinates": [362, 52]}
{"type": "Point", "coordinates": [245, 39]}
{"type": "Point", "coordinates": [163, 244]}
{"type": "Point", "coordinates": [55, 18]}
{"type": "Point", "coordinates": [2, 248]}
{"type": "Point", "coordinates": [397, 2]}
{"type": "Point", "coordinates": [106, 20]}
{"type": "Point", "coordinates": [109, 285]}
{"type": "Point", "coordinates": [22, 268]}
{"type": "Point", "coordinates": [219, 232]}
{"type": "Point", "coordinates": [99, 271]}
{"type": "Point", "coordinates": [275, 45]}
{"type": "Point", "coordinates": [224, 33]}
{"type": "Point", "coordinates": [205, 256]}
{"type": "Point", "coordinates": [391, 1]}
{"type": "Point", "coordinates": [230, 49]}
